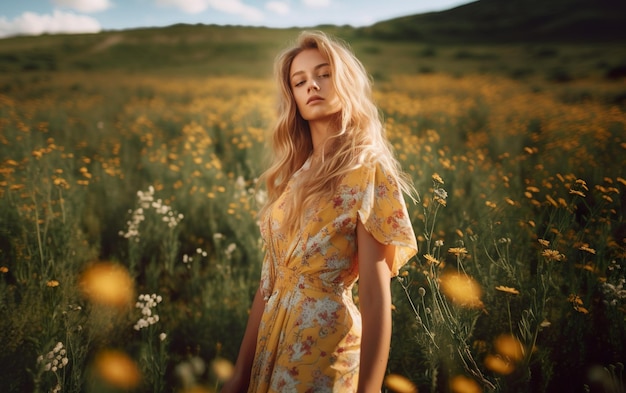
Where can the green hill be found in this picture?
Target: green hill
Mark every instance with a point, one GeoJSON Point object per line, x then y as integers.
{"type": "Point", "coordinates": [512, 21]}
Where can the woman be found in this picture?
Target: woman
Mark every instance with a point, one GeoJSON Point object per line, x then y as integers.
{"type": "Point", "coordinates": [335, 214]}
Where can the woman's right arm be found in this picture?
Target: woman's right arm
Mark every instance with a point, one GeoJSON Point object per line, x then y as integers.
{"type": "Point", "coordinates": [241, 377]}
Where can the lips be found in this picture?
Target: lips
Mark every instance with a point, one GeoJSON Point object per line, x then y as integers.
{"type": "Point", "coordinates": [313, 99]}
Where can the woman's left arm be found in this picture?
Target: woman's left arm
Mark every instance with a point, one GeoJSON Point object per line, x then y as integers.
{"type": "Point", "coordinates": [375, 305]}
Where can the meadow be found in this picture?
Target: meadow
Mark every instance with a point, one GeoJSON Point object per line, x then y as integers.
{"type": "Point", "coordinates": [129, 250]}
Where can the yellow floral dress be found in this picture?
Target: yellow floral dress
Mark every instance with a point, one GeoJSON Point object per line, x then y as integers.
{"type": "Point", "coordinates": [310, 333]}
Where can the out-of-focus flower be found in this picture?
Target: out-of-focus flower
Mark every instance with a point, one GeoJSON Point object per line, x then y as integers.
{"type": "Point", "coordinates": [399, 384]}
{"type": "Point", "coordinates": [462, 290]}
{"type": "Point", "coordinates": [585, 247]}
{"type": "Point", "coordinates": [107, 284]}
{"type": "Point", "coordinates": [510, 290]}
{"type": "Point", "coordinates": [463, 384]}
{"type": "Point", "coordinates": [222, 368]}
{"type": "Point", "coordinates": [509, 347]}
{"type": "Point", "coordinates": [498, 365]}
{"type": "Point", "coordinates": [117, 369]}
{"type": "Point", "coordinates": [52, 283]}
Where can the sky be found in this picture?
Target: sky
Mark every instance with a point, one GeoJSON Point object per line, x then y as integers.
{"type": "Point", "coordinates": [34, 17]}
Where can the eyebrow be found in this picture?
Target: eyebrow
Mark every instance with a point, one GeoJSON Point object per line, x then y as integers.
{"type": "Point", "coordinates": [317, 67]}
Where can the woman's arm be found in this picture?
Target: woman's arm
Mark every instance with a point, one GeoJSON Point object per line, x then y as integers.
{"type": "Point", "coordinates": [241, 376]}
{"type": "Point", "coordinates": [375, 305]}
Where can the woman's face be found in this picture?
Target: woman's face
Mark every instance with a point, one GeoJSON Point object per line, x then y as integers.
{"type": "Point", "coordinates": [312, 86]}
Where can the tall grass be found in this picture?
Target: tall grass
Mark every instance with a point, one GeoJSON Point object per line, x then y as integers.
{"type": "Point", "coordinates": [153, 179]}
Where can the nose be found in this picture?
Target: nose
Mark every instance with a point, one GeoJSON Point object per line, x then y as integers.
{"type": "Point", "coordinates": [314, 85]}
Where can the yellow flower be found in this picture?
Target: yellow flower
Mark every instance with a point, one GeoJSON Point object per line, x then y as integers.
{"type": "Point", "coordinates": [400, 384]}
{"type": "Point", "coordinates": [117, 369]}
{"type": "Point", "coordinates": [431, 259]}
{"type": "Point", "coordinates": [109, 284]}
{"type": "Point", "coordinates": [462, 290]}
{"type": "Point", "coordinates": [4, 269]}
{"type": "Point", "coordinates": [498, 365]}
{"type": "Point", "coordinates": [52, 283]}
{"type": "Point", "coordinates": [463, 384]}
{"type": "Point", "coordinates": [544, 242]}
{"type": "Point", "coordinates": [510, 290]}
{"type": "Point", "coordinates": [585, 247]}
{"type": "Point", "coordinates": [437, 178]}
{"type": "Point", "coordinates": [553, 255]}
{"type": "Point", "coordinates": [458, 251]}
{"type": "Point", "coordinates": [509, 347]}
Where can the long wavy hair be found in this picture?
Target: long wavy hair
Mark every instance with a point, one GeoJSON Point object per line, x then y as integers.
{"type": "Point", "coordinates": [358, 138]}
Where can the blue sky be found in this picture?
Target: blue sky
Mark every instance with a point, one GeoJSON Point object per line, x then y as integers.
{"type": "Point", "coordinates": [33, 17]}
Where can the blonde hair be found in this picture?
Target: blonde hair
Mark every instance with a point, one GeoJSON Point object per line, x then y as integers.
{"type": "Point", "coordinates": [360, 137]}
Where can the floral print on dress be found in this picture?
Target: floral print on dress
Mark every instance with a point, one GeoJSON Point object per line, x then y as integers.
{"type": "Point", "coordinates": [310, 334]}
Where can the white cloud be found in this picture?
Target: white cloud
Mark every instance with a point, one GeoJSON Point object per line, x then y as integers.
{"type": "Point", "coordinates": [316, 3]}
{"type": "Point", "coordinates": [188, 6]}
{"type": "Point", "coordinates": [235, 7]}
{"type": "Point", "coordinates": [87, 6]}
{"type": "Point", "coordinates": [277, 7]}
{"type": "Point", "coordinates": [30, 23]}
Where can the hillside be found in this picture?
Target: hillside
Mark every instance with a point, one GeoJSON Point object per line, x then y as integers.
{"type": "Point", "coordinates": [512, 21]}
{"type": "Point", "coordinates": [562, 38]}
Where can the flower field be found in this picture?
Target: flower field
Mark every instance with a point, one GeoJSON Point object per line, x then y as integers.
{"type": "Point", "coordinates": [129, 250]}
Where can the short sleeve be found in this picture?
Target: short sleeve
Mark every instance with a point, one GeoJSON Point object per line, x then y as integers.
{"type": "Point", "coordinates": [384, 215]}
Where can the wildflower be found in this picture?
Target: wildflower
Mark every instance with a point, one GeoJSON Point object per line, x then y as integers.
{"type": "Point", "coordinates": [582, 184]}
{"type": "Point", "coordinates": [162, 336]}
{"type": "Point", "coordinates": [461, 290]}
{"type": "Point", "coordinates": [458, 251]}
{"type": "Point", "coordinates": [222, 368]}
{"type": "Point", "coordinates": [585, 247]}
{"type": "Point", "coordinates": [108, 284]}
{"type": "Point", "coordinates": [440, 196]}
{"type": "Point", "coordinates": [54, 360]}
{"type": "Point", "coordinates": [147, 303]}
{"type": "Point", "coordinates": [544, 242]}
{"type": "Point", "coordinates": [4, 269]}
{"type": "Point", "coordinates": [509, 347]}
{"type": "Point", "coordinates": [463, 384]}
{"type": "Point", "coordinates": [400, 384]}
{"type": "Point", "coordinates": [510, 290]}
{"type": "Point", "coordinates": [52, 283]}
{"type": "Point", "coordinates": [421, 291]}
{"type": "Point", "coordinates": [431, 259]}
{"type": "Point", "coordinates": [553, 255]}
{"type": "Point", "coordinates": [545, 323]}
{"type": "Point", "coordinates": [576, 192]}
{"type": "Point", "coordinates": [438, 243]}
{"type": "Point", "coordinates": [437, 178]}
{"type": "Point", "coordinates": [498, 365]}
{"type": "Point", "coordinates": [117, 369]}
{"type": "Point", "coordinates": [230, 249]}
{"type": "Point", "coordinates": [577, 303]}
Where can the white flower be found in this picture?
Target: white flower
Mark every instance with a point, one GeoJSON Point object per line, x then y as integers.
{"type": "Point", "coordinates": [162, 336]}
